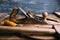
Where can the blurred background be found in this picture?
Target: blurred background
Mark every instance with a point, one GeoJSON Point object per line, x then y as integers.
{"type": "Point", "coordinates": [36, 6]}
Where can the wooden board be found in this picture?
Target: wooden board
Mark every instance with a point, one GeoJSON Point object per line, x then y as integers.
{"type": "Point", "coordinates": [57, 14]}
{"type": "Point", "coordinates": [35, 29]}
{"type": "Point", "coordinates": [11, 38]}
{"type": "Point", "coordinates": [35, 26]}
{"type": "Point", "coordinates": [29, 30]}
{"type": "Point", "coordinates": [44, 37]}
{"type": "Point", "coordinates": [18, 38]}
{"type": "Point", "coordinates": [57, 28]}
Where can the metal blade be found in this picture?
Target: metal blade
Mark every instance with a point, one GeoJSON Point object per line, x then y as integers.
{"type": "Point", "coordinates": [23, 12]}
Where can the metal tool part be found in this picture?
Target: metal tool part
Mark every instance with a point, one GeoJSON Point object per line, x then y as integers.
{"type": "Point", "coordinates": [25, 13]}
{"type": "Point", "coordinates": [32, 15]}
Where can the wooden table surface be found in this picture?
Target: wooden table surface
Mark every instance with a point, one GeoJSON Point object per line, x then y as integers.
{"type": "Point", "coordinates": [6, 36]}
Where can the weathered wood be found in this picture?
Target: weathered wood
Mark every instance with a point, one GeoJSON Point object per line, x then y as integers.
{"type": "Point", "coordinates": [57, 14]}
{"type": "Point", "coordinates": [25, 13]}
{"type": "Point", "coordinates": [44, 37]}
{"type": "Point", "coordinates": [50, 16]}
{"type": "Point", "coordinates": [27, 30]}
{"type": "Point", "coordinates": [35, 26]}
{"type": "Point", "coordinates": [3, 16]}
{"type": "Point", "coordinates": [54, 17]}
{"type": "Point", "coordinates": [13, 14]}
{"type": "Point", "coordinates": [18, 38]}
{"type": "Point", "coordinates": [57, 28]}
{"type": "Point", "coordinates": [11, 38]}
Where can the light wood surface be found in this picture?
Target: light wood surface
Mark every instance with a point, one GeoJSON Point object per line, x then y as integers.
{"type": "Point", "coordinates": [27, 30]}
{"type": "Point", "coordinates": [37, 31]}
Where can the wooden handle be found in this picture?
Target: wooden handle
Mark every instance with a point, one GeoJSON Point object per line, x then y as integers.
{"type": "Point", "coordinates": [13, 14]}
{"type": "Point", "coordinates": [45, 14]}
{"type": "Point", "coordinates": [31, 14]}
{"type": "Point", "coordinates": [43, 37]}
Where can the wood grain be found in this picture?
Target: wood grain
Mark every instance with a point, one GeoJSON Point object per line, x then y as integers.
{"type": "Point", "coordinates": [27, 30]}
{"type": "Point", "coordinates": [57, 14]}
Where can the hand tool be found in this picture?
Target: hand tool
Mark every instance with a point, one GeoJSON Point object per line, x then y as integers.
{"type": "Point", "coordinates": [42, 21]}
{"type": "Point", "coordinates": [12, 19]}
{"type": "Point", "coordinates": [28, 15]}
{"type": "Point", "coordinates": [32, 15]}
{"type": "Point", "coordinates": [25, 13]}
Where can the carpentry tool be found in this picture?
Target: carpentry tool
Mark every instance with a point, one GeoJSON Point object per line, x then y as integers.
{"type": "Point", "coordinates": [28, 15]}
{"type": "Point", "coordinates": [42, 21]}
{"type": "Point", "coordinates": [32, 15]}
{"type": "Point", "coordinates": [12, 19]}
{"type": "Point", "coordinates": [44, 14]}
{"type": "Point", "coordinates": [25, 13]}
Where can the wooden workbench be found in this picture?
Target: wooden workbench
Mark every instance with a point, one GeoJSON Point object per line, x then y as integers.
{"type": "Point", "coordinates": [40, 36]}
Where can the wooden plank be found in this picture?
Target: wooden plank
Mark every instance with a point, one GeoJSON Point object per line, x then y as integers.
{"type": "Point", "coordinates": [22, 37]}
{"type": "Point", "coordinates": [27, 30]}
{"type": "Point", "coordinates": [51, 16]}
{"type": "Point", "coordinates": [35, 37]}
{"type": "Point", "coordinates": [11, 38]}
{"type": "Point", "coordinates": [44, 37]}
{"type": "Point", "coordinates": [57, 28]}
{"type": "Point", "coordinates": [57, 14]}
{"type": "Point", "coordinates": [35, 26]}
{"type": "Point", "coordinates": [3, 16]}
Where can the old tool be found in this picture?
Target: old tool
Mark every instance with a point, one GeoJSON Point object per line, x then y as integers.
{"type": "Point", "coordinates": [12, 19]}
{"type": "Point", "coordinates": [42, 21]}
{"type": "Point", "coordinates": [25, 13]}
{"type": "Point", "coordinates": [44, 14]}
{"type": "Point", "coordinates": [32, 15]}
{"type": "Point", "coordinates": [29, 30]}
